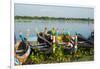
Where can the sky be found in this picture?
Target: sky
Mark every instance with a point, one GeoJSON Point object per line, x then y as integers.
{"type": "Point", "coordinates": [53, 11]}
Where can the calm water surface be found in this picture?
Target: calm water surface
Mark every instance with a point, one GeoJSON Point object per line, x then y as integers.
{"type": "Point", "coordinates": [33, 26]}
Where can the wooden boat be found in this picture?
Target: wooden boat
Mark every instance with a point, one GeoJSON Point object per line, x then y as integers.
{"type": "Point", "coordinates": [82, 38]}
{"type": "Point", "coordinates": [49, 42]}
{"type": "Point", "coordinates": [22, 51]}
{"type": "Point", "coordinates": [86, 42]}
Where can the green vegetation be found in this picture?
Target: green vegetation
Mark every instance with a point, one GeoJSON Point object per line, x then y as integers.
{"type": "Point", "coordinates": [61, 56]}
{"type": "Point", "coordinates": [51, 18]}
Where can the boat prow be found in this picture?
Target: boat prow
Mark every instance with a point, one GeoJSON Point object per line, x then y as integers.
{"type": "Point", "coordinates": [20, 54]}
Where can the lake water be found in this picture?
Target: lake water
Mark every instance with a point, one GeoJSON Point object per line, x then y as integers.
{"type": "Point", "coordinates": [72, 26]}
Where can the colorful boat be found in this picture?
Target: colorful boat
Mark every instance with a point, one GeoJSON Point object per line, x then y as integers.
{"type": "Point", "coordinates": [21, 52]}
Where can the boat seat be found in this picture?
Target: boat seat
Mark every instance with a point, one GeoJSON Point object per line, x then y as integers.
{"type": "Point", "coordinates": [18, 51]}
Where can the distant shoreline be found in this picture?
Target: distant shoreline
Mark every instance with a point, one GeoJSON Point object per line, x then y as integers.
{"type": "Point", "coordinates": [51, 18]}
